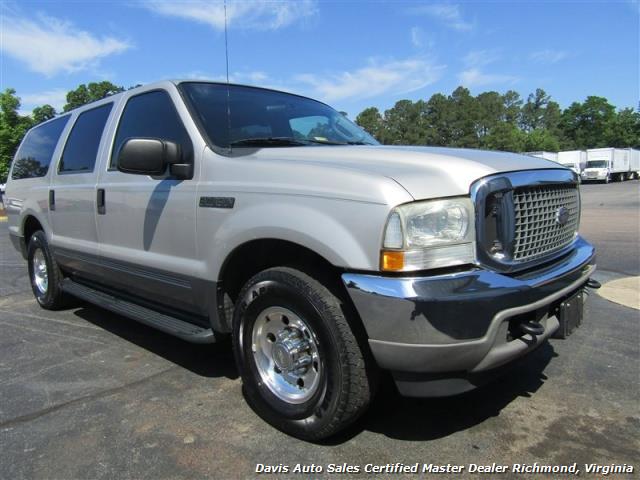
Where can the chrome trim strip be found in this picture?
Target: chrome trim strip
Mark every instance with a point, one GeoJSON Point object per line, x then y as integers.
{"type": "Point", "coordinates": [130, 269]}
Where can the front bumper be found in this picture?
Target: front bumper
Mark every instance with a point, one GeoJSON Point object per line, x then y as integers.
{"type": "Point", "coordinates": [460, 324]}
{"type": "Point", "coordinates": [594, 176]}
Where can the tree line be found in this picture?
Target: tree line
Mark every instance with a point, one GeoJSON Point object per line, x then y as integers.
{"type": "Point", "coordinates": [497, 121]}
{"type": "Point", "coordinates": [489, 120]}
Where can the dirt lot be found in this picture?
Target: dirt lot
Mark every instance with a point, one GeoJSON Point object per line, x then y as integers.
{"type": "Point", "coordinates": [88, 394]}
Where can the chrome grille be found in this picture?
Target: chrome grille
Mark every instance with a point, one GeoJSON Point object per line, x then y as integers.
{"type": "Point", "coordinates": [537, 229]}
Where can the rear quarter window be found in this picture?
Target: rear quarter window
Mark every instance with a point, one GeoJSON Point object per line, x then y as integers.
{"type": "Point", "coordinates": [34, 155]}
{"type": "Point", "coordinates": [81, 150]}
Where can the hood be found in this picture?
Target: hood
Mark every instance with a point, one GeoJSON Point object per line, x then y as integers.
{"type": "Point", "coordinates": [425, 172]}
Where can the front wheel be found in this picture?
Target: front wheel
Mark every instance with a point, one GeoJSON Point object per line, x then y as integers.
{"type": "Point", "coordinates": [302, 368]}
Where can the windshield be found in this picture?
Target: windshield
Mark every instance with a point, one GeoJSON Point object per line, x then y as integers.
{"type": "Point", "coordinates": [597, 164]}
{"type": "Point", "coordinates": [267, 118]}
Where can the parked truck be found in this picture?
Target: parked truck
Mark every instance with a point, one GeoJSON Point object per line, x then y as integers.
{"type": "Point", "coordinates": [634, 164]}
{"type": "Point", "coordinates": [553, 156]}
{"type": "Point", "coordinates": [576, 160]}
{"type": "Point", "coordinates": [606, 164]}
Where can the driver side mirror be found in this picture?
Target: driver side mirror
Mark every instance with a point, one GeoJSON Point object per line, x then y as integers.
{"type": "Point", "coordinates": [151, 156]}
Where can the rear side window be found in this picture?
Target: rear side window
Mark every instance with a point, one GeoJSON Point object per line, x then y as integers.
{"type": "Point", "coordinates": [34, 155]}
{"type": "Point", "coordinates": [81, 150]}
{"type": "Point", "coordinates": [151, 115]}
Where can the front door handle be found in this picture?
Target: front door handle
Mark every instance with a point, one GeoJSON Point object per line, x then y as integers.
{"type": "Point", "coordinates": [100, 202]}
{"type": "Point", "coordinates": [52, 200]}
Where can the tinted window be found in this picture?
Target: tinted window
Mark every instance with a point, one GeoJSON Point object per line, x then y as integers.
{"type": "Point", "coordinates": [34, 156]}
{"type": "Point", "coordinates": [151, 115]}
{"type": "Point", "coordinates": [81, 149]}
{"type": "Point", "coordinates": [256, 112]}
{"type": "Point", "coordinates": [304, 126]}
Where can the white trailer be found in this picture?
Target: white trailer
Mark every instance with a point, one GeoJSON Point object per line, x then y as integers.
{"type": "Point", "coordinates": [576, 160]}
{"type": "Point", "coordinates": [553, 156]}
{"type": "Point", "coordinates": [606, 164]}
{"type": "Point", "coordinates": [634, 163]}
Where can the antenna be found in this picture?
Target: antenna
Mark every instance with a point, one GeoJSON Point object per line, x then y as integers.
{"type": "Point", "coordinates": [226, 42]}
{"type": "Point", "coordinates": [226, 54]}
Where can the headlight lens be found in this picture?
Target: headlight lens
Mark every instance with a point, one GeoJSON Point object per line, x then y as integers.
{"type": "Point", "coordinates": [435, 223]}
{"type": "Point", "coordinates": [429, 234]}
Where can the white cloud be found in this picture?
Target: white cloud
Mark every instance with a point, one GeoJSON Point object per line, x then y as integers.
{"type": "Point", "coordinates": [253, 77]}
{"type": "Point", "coordinates": [448, 13]}
{"type": "Point", "coordinates": [421, 39]}
{"type": "Point", "coordinates": [479, 58]}
{"type": "Point", "coordinates": [391, 77]}
{"type": "Point", "coordinates": [57, 98]}
{"type": "Point", "coordinates": [245, 14]}
{"type": "Point", "coordinates": [548, 56]}
{"type": "Point", "coordinates": [50, 46]}
{"type": "Point", "coordinates": [474, 77]}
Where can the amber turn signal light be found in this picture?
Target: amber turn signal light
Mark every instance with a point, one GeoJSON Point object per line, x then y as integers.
{"type": "Point", "coordinates": [392, 261]}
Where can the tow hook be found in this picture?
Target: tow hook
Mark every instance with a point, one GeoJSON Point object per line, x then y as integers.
{"type": "Point", "coordinates": [532, 328]}
{"type": "Point", "coordinates": [591, 283]}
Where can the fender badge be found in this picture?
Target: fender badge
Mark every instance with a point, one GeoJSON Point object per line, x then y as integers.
{"type": "Point", "coordinates": [217, 202]}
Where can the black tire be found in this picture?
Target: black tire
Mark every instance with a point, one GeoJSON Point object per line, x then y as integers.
{"type": "Point", "coordinates": [345, 389]}
{"type": "Point", "coordinates": [607, 179]}
{"type": "Point", "coordinates": [51, 297]}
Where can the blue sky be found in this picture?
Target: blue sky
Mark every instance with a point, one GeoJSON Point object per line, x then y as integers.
{"type": "Point", "coordinates": [351, 54]}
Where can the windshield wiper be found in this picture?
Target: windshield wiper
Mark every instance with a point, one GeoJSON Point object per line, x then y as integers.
{"type": "Point", "coordinates": [323, 142]}
{"type": "Point", "coordinates": [267, 141]}
{"type": "Point", "coordinates": [331, 142]}
{"type": "Point", "coordinates": [286, 141]}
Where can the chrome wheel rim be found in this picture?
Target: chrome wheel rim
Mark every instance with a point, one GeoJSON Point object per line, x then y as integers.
{"type": "Point", "coordinates": [286, 354]}
{"type": "Point", "coordinates": [40, 275]}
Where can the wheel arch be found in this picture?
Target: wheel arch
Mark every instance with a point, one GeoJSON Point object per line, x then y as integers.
{"type": "Point", "coordinates": [30, 225]}
{"type": "Point", "coordinates": [254, 256]}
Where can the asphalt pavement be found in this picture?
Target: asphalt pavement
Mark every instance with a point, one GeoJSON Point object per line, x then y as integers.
{"type": "Point", "coordinates": [85, 393]}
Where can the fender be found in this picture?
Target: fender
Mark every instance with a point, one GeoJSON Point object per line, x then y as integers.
{"type": "Point", "coordinates": [305, 222]}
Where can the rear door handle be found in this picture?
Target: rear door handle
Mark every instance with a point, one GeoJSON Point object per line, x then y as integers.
{"type": "Point", "coordinates": [52, 200]}
{"type": "Point", "coordinates": [100, 202]}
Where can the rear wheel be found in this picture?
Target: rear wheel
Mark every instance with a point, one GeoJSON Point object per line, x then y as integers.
{"type": "Point", "coordinates": [44, 273]}
{"type": "Point", "coordinates": [302, 368]}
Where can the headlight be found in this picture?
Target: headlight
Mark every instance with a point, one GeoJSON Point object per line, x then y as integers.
{"type": "Point", "coordinates": [429, 234]}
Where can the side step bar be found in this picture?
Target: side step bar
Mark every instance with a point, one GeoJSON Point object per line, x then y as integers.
{"type": "Point", "coordinates": [171, 325]}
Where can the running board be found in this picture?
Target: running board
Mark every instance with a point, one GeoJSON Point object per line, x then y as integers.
{"type": "Point", "coordinates": [171, 325]}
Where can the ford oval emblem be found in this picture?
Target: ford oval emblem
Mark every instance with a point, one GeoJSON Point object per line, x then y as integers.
{"type": "Point", "coordinates": [562, 215]}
